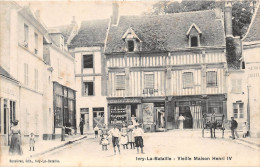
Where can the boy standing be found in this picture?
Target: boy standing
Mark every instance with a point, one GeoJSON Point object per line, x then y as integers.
{"type": "Point", "coordinates": [115, 138]}
{"type": "Point", "coordinates": [138, 133]}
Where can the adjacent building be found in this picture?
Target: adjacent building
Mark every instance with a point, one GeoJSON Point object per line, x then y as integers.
{"type": "Point", "coordinates": [90, 72]}
{"type": "Point", "coordinates": [59, 92]}
{"type": "Point", "coordinates": [22, 61]}
{"type": "Point", "coordinates": [163, 66]}
{"type": "Point", "coordinates": [251, 64]}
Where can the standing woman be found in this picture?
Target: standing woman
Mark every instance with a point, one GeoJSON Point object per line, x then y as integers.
{"type": "Point", "coordinates": [15, 146]}
{"type": "Point", "coordinates": [131, 138]}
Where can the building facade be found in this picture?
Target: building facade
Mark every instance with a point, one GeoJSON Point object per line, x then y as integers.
{"type": "Point", "coordinates": [22, 58]}
{"type": "Point", "coordinates": [60, 94]}
{"type": "Point", "coordinates": [250, 58]}
{"type": "Point", "coordinates": [88, 49]}
{"type": "Point", "coordinates": [161, 67]}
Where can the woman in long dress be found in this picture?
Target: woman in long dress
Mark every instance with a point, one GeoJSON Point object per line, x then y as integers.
{"type": "Point", "coordinates": [15, 146]}
{"type": "Point", "coordinates": [131, 138]}
{"type": "Point", "coordinates": [181, 119]}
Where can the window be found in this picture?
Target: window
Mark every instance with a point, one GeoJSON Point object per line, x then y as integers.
{"type": "Point", "coordinates": [211, 78]}
{"type": "Point", "coordinates": [238, 110]}
{"type": "Point", "coordinates": [26, 35]}
{"type": "Point", "coordinates": [26, 74]}
{"type": "Point", "coordinates": [130, 45]}
{"type": "Point", "coordinates": [149, 81]}
{"type": "Point", "coordinates": [88, 61]}
{"type": "Point", "coordinates": [88, 89]}
{"type": "Point", "coordinates": [243, 65]}
{"type": "Point", "coordinates": [35, 43]}
{"type": "Point", "coordinates": [120, 82]}
{"type": "Point", "coordinates": [187, 79]}
{"type": "Point", "coordinates": [12, 111]}
{"type": "Point", "coordinates": [194, 41]}
{"type": "Point", "coordinates": [236, 86]}
{"type": "Point", "coordinates": [36, 79]}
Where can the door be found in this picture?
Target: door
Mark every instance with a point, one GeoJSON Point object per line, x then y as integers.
{"type": "Point", "coordinates": [160, 117]}
{"type": "Point", "coordinates": [85, 118]}
{"type": "Point", "coordinates": [185, 111]}
{"type": "Point", "coordinates": [98, 119]}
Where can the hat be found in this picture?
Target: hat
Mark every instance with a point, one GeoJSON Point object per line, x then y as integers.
{"type": "Point", "coordinates": [232, 117]}
{"type": "Point", "coordinates": [15, 122]}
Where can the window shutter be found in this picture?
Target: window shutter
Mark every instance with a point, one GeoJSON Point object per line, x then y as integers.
{"type": "Point", "coordinates": [211, 78]}
{"type": "Point", "coordinates": [149, 81]}
{"type": "Point", "coordinates": [187, 80]}
{"type": "Point", "coordinates": [120, 82]}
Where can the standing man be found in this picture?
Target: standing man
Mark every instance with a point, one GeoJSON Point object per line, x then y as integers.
{"type": "Point", "coordinates": [138, 133]}
{"type": "Point", "coordinates": [115, 138]}
{"type": "Point", "coordinates": [81, 126]}
{"type": "Point", "coordinates": [234, 128]}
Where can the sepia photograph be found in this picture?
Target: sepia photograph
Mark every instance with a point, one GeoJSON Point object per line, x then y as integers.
{"type": "Point", "coordinates": [129, 83]}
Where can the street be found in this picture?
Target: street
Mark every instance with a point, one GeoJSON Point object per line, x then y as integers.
{"type": "Point", "coordinates": [176, 147]}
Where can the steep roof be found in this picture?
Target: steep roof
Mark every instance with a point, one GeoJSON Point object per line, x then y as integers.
{"type": "Point", "coordinates": [66, 31]}
{"type": "Point", "coordinates": [4, 73]}
{"type": "Point", "coordinates": [167, 32]}
{"type": "Point", "coordinates": [253, 33]}
{"type": "Point", "coordinates": [91, 33]}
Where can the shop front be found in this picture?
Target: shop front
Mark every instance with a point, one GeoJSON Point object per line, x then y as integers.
{"type": "Point", "coordinates": [150, 112]}
{"type": "Point", "coordinates": [123, 110]}
{"type": "Point", "coordinates": [64, 108]}
{"type": "Point", "coordinates": [192, 108]}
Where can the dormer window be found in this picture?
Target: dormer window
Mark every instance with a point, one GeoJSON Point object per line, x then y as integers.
{"type": "Point", "coordinates": [131, 40]}
{"type": "Point", "coordinates": [243, 65]}
{"type": "Point", "coordinates": [193, 35]}
{"type": "Point", "coordinates": [194, 41]}
{"type": "Point", "coordinates": [130, 45]}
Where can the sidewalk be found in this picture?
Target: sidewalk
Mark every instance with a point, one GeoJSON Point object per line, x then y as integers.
{"type": "Point", "coordinates": [45, 146]}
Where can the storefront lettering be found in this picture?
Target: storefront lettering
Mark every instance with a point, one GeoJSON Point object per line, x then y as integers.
{"type": "Point", "coordinates": [115, 101]}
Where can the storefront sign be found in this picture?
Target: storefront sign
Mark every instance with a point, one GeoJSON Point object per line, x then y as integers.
{"type": "Point", "coordinates": [123, 101]}
{"type": "Point", "coordinates": [148, 113]}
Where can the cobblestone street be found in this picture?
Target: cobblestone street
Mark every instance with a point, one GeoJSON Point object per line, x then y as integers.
{"type": "Point", "coordinates": [178, 146]}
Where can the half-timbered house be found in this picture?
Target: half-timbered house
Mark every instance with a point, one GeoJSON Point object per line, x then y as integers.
{"type": "Point", "coordinates": [163, 66]}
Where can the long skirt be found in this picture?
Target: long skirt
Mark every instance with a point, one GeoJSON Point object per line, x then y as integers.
{"type": "Point", "coordinates": [15, 146]}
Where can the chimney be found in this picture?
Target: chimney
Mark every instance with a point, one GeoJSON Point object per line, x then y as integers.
{"type": "Point", "coordinates": [115, 14]}
{"type": "Point", "coordinates": [228, 18]}
{"type": "Point", "coordinates": [218, 13]}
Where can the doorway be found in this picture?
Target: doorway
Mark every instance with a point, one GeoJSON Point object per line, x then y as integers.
{"type": "Point", "coordinates": [98, 117]}
{"type": "Point", "coordinates": [185, 111]}
{"type": "Point", "coordinates": [160, 117]}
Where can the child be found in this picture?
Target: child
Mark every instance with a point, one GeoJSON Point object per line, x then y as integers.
{"type": "Point", "coordinates": [96, 131]}
{"type": "Point", "coordinates": [124, 138]}
{"type": "Point", "coordinates": [245, 130]}
{"type": "Point", "coordinates": [131, 139]}
{"type": "Point", "coordinates": [104, 142]}
{"type": "Point", "coordinates": [32, 141]}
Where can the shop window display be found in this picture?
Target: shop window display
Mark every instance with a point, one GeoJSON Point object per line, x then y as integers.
{"type": "Point", "coordinates": [118, 114]}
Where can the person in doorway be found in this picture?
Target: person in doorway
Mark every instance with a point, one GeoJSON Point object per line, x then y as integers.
{"type": "Point", "coordinates": [81, 126]}
{"type": "Point", "coordinates": [245, 130]}
{"type": "Point", "coordinates": [15, 146]}
{"type": "Point", "coordinates": [131, 139]}
{"type": "Point", "coordinates": [234, 128]}
{"type": "Point", "coordinates": [138, 134]}
{"type": "Point", "coordinates": [115, 138]}
{"type": "Point", "coordinates": [181, 119]}
{"type": "Point", "coordinates": [96, 129]}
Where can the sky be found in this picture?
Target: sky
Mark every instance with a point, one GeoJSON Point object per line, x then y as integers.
{"type": "Point", "coordinates": [56, 13]}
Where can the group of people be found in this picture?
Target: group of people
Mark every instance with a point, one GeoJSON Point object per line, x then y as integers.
{"type": "Point", "coordinates": [129, 135]}
{"type": "Point", "coordinates": [234, 126]}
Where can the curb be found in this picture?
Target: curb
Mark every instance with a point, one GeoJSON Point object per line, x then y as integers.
{"type": "Point", "coordinates": [249, 142]}
{"type": "Point", "coordinates": [60, 146]}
